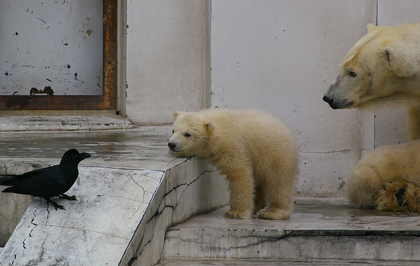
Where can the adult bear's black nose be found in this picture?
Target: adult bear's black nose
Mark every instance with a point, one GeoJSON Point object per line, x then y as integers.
{"type": "Point", "coordinates": [328, 100]}
{"type": "Point", "coordinates": [171, 145]}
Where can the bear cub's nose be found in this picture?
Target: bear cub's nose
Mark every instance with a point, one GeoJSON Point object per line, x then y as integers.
{"type": "Point", "coordinates": [171, 145]}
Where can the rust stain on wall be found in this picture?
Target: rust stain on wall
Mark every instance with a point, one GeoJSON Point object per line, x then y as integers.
{"type": "Point", "coordinates": [110, 53]}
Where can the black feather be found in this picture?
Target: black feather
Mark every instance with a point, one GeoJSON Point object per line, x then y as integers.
{"type": "Point", "coordinates": [48, 182]}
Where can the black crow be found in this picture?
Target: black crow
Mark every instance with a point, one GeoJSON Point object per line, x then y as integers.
{"type": "Point", "coordinates": [48, 182]}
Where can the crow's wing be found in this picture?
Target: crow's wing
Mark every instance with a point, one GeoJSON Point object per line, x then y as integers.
{"type": "Point", "coordinates": [14, 180]}
{"type": "Point", "coordinates": [46, 182]}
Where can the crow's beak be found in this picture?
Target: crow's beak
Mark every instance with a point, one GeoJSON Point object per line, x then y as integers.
{"type": "Point", "coordinates": [85, 155]}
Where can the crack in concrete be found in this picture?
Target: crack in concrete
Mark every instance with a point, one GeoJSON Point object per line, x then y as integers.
{"type": "Point", "coordinates": [172, 190]}
{"type": "Point", "coordinates": [137, 252]}
{"type": "Point", "coordinates": [144, 191]}
{"type": "Point", "coordinates": [85, 230]}
{"type": "Point", "coordinates": [71, 227]}
{"type": "Point", "coordinates": [140, 205]}
{"type": "Point", "coordinates": [30, 232]}
{"type": "Point", "coordinates": [181, 162]}
{"type": "Point", "coordinates": [333, 151]}
{"type": "Point", "coordinates": [268, 240]}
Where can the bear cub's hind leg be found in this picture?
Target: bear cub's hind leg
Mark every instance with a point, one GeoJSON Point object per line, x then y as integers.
{"type": "Point", "coordinates": [275, 214]}
{"type": "Point", "coordinates": [279, 198]}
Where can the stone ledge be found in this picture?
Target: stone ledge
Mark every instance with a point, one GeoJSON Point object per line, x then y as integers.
{"type": "Point", "coordinates": [274, 262]}
{"type": "Point", "coordinates": [129, 193]}
{"type": "Point", "coordinates": [319, 229]}
{"type": "Point", "coordinates": [63, 123]}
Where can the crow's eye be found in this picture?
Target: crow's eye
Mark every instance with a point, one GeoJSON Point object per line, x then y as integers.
{"type": "Point", "coordinates": [352, 74]}
{"type": "Point", "coordinates": [187, 135]}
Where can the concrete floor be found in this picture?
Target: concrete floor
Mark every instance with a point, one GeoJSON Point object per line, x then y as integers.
{"type": "Point", "coordinates": [138, 148]}
{"type": "Point", "coordinates": [129, 192]}
{"type": "Point", "coordinates": [145, 148]}
{"type": "Point", "coordinates": [330, 215]}
{"type": "Point", "coordinates": [321, 231]}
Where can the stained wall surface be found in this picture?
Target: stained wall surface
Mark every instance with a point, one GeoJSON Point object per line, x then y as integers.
{"type": "Point", "coordinates": [390, 124]}
{"type": "Point", "coordinates": [55, 44]}
{"type": "Point", "coordinates": [279, 56]}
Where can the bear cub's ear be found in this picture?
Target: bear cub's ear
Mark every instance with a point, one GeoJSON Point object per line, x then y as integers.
{"type": "Point", "coordinates": [176, 114]}
{"type": "Point", "coordinates": [209, 125]}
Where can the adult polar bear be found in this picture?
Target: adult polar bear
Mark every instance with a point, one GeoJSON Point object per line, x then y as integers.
{"type": "Point", "coordinates": [383, 67]}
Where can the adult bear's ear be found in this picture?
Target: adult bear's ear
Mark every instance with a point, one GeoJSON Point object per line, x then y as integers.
{"type": "Point", "coordinates": [370, 27]}
{"type": "Point", "coordinates": [402, 63]}
{"type": "Point", "coordinates": [209, 125]}
{"type": "Point", "coordinates": [176, 114]}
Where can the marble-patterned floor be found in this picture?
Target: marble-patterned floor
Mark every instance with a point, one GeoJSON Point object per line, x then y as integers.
{"type": "Point", "coordinates": [321, 231]}
{"type": "Point", "coordinates": [129, 192]}
{"type": "Point", "coordinates": [329, 215]}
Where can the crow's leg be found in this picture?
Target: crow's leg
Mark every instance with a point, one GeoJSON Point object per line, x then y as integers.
{"type": "Point", "coordinates": [64, 196]}
{"type": "Point", "coordinates": [56, 206]}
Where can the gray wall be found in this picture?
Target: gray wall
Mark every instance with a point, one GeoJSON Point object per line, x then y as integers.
{"type": "Point", "coordinates": [279, 56]}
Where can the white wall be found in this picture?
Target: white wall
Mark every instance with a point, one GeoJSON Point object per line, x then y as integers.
{"type": "Point", "coordinates": [281, 56]}
{"type": "Point", "coordinates": [275, 55]}
{"type": "Point", "coordinates": [391, 124]}
{"type": "Point", "coordinates": [167, 59]}
{"type": "Point", "coordinates": [51, 43]}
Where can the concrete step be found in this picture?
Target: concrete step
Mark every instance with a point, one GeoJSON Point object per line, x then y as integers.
{"type": "Point", "coordinates": [236, 262]}
{"type": "Point", "coordinates": [319, 229]}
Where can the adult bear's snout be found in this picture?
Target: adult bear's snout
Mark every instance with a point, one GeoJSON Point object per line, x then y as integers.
{"type": "Point", "coordinates": [329, 100]}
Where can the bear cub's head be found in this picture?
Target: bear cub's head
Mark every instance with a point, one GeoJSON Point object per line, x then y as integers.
{"type": "Point", "coordinates": [190, 134]}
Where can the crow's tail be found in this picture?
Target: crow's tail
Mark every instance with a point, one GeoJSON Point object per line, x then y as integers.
{"type": "Point", "coordinates": [8, 181]}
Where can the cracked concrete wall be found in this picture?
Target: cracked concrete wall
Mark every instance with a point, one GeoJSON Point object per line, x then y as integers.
{"type": "Point", "coordinates": [120, 217]}
{"type": "Point", "coordinates": [12, 206]}
{"type": "Point", "coordinates": [191, 188]}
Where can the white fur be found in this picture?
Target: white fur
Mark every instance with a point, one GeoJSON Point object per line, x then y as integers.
{"type": "Point", "coordinates": [255, 151]}
{"type": "Point", "coordinates": [383, 165]}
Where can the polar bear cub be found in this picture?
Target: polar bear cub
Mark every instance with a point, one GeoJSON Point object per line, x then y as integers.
{"type": "Point", "coordinates": [253, 149]}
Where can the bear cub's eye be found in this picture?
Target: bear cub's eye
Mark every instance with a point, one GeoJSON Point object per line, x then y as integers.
{"type": "Point", "coordinates": [352, 74]}
{"type": "Point", "coordinates": [187, 135]}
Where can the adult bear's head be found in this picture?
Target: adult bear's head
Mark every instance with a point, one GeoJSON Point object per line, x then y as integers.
{"type": "Point", "coordinates": [382, 67]}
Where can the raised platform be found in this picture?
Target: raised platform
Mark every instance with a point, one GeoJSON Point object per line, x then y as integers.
{"type": "Point", "coordinates": [320, 231]}
{"type": "Point", "coordinates": [129, 192]}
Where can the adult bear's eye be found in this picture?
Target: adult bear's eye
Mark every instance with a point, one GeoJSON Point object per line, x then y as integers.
{"type": "Point", "coordinates": [352, 74]}
{"type": "Point", "coordinates": [187, 135]}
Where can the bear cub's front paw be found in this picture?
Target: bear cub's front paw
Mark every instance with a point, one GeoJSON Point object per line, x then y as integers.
{"type": "Point", "coordinates": [238, 214]}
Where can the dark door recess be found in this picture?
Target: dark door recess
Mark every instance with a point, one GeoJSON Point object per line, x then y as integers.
{"type": "Point", "coordinates": [46, 95]}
